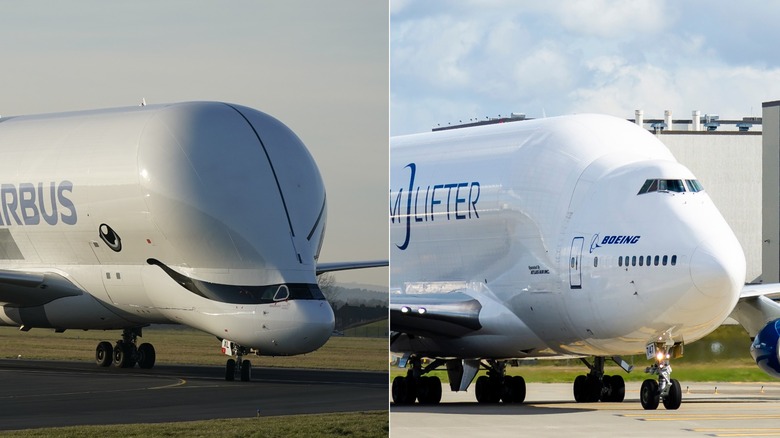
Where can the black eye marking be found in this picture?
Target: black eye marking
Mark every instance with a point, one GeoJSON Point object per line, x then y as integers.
{"type": "Point", "coordinates": [110, 237]}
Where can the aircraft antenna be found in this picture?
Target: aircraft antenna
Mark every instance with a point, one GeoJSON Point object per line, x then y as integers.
{"type": "Point", "coordinates": [143, 101]}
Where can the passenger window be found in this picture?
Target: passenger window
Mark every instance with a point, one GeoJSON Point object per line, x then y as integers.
{"type": "Point", "coordinates": [665, 260]}
{"type": "Point", "coordinates": [655, 261]}
{"type": "Point", "coordinates": [620, 261]}
{"type": "Point", "coordinates": [641, 261]}
{"type": "Point", "coordinates": [595, 262]}
{"type": "Point", "coordinates": [674, 260]}
{"type": "Point", "coordinates": [633, 261]}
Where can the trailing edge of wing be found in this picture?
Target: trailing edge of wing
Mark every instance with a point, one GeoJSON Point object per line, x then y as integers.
{"type": "Point", "coordinates": [450, 315]}
{"type": "Point", "coordinates": [24, 289]}
{"type": "Point", "coordinates": [344, 266]}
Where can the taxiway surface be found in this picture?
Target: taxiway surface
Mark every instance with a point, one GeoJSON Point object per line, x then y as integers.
{"type": "Point", "coordinates": [46, 394]}
{"type": "Point", "coordinates": [708, 409]}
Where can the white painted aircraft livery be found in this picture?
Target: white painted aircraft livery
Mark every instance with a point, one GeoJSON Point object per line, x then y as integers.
{"type": "Point", "coordinates": [205, 214]}
{"type": "Point", "coordinates": [571, 236]}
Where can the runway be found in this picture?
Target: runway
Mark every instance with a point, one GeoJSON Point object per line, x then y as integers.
{"type": "Point", "coordinates": [45, 394]}
{"type": "Point", "coordinates": [735, 410]}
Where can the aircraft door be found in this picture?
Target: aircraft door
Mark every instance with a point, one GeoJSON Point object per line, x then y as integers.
{"type": "Point", "coordinates": [575, 259]}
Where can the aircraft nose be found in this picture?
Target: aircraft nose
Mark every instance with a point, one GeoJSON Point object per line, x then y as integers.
{"type": "Point", "coordinates": [718, 268]}
{"type": "Point", "coordinates": [319, 324]}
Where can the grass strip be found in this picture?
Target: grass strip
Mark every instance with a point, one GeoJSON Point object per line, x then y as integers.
{"type": "Point", "coordinates": [353, 424]}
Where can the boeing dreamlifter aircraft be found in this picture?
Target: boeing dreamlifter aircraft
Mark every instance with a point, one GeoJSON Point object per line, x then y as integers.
{"type": "Point", "coordinates": [205, 214]}
{"type": "Point", "coordinates": [570, 236]}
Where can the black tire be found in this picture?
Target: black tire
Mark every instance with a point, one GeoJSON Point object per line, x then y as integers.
{"type": "Point", "coordinates": [230, 370]}
{"type": "Point", "coordinates": [146, 356]}
{"type": "Point", "coordinates": [593, 388]}
{"type": "Point", "coordinates": [673, 400]}
{"type": "Point", "coordinates": [246, 371]}
{"type": "Point", "coordinates": [104, 354]}
{"type": "Point", "coordinates": [580, 389]}
{"type": "Point", "coordinates": [423, 390]}
{"type": "Point", "coordinates": [648, 395]}
{"type": "Point", "coordinates": [617, 389]}
{"type": "Point", "coordinates": [434, 390]}
{"type": "Point", "coordinates": [482, 389]}
{"type": "Point", "coordinates": [399, 390]}
{"type": "Point", "coordinates": [124, 355]}
{"type": "Point", "coordinates": [516, 386]}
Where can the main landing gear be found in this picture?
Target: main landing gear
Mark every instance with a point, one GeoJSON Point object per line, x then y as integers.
{"type": "Point", "coordinates": [125, 354]}
{"type": "Point", "coordinates": [491, 388]}
{"type": "Point", "coordinates": [238, 367]}
{"type": "Point", "coordinates": [665, 389]}
{"type": "Point", "coordinates": [598, 387]}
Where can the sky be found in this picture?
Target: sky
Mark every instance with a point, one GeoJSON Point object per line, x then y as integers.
{"type": "Point", "coordinates": [471, 59]}
{"type": "Point", "coordinates": [319, 67]}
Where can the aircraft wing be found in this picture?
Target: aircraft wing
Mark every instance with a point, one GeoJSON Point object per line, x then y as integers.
{"type": "Point", "coordinates": [26, 289]}
{"type": "Point", "coordinates": [450, 315]}
{"type": "Point", "coordinates": [757, 306]}
{"type": "Point", "coordinates": [344, 266]}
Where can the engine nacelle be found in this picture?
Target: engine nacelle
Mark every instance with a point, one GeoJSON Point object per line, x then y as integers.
{"type": "Point", "coordinates": [765, 348]}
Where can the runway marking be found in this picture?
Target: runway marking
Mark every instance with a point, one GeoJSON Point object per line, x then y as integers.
{"type": "Point", "coordinates": [699, 417]}
{"type": "Point", "coordinates": [172, 385]}
{"type": "Point", "coordinates": [739, 432]}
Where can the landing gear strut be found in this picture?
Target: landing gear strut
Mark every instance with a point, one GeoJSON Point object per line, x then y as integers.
{"type": "Point", "coordinates": [239, 366]}
{"type": "Point", "coordinates": [598, 387]}
{"type": "Point", "coordinates": [125, 354]}
{"type": "Point", "coordinates": [665, 389]}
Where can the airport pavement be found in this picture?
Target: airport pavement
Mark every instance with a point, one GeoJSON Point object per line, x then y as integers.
{"type": "Point", "coordinates": [45, 394]}
{"type": "Point", "coordinates": [731, 410]}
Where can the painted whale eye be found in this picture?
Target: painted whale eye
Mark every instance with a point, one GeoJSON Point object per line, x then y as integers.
{"type": "Point", "coordinates": [110, 237]}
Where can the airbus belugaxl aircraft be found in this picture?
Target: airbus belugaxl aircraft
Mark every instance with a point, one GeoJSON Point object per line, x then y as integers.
{"type": "Point", "coordinates": [205, 214]}
{"type": "Point", "coordinates": [572, 236]}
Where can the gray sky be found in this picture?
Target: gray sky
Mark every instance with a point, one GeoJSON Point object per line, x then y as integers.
{"type": "Point", "coordinates": [319, 67]}
{"type": "Point", "coordinates": [454, 61]}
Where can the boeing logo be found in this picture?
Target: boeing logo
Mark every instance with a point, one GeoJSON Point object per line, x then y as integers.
{"type": "Point", "coordinates": [28, 203]}
{"type": "Point", "coordinates": [612, 240]}
{"type": "Point", "coordinates": [445, 201]}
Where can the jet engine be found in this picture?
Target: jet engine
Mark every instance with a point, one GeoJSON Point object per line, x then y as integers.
{"type": "Point", "coordinates": [765, 348]}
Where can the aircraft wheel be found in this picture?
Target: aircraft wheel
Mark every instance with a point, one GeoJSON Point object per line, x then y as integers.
{"type": "Point", "coordinates": [514, 389]}
{"type": "Point", "coordinates": [104, 354]}
{"type": "Point", "coordinates": [434, 390]}
{"type": "Point", "coordinates": [399, 390]}
{"type": "Point", "coordinates": [673, 400]}
{"type": "Point", "coordinates": [230, 370]}
{"type": "Point", "coordinates": [423, 390]}
{"type": "Point", "coordinates": [428, 390]}
{"type": "Point", "coordinates": [617, 389]}
{"type": "Point", "coordinates": [146, 356]}
{"type": "Point", "coordinates": [482, 389]}
{"type": "Point", "coordinates": [648, 394]}
{"type": "Point", "coordinates": [246, 371]}
{"type": "Point", "coordinates": [124, 356]}
{"type": "Point", "coordinates": [580, 389]}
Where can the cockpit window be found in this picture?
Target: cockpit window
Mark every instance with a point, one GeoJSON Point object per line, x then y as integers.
{"type": "Point", "coordinates": [670, 185]}
{"type": "Point", "coordinates": [694, 185]}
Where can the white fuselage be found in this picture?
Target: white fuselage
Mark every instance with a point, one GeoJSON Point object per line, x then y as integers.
{"type": "Point", "coordinates": [225, 196]}
{"type": "Point", "coordinates": [537, 220]}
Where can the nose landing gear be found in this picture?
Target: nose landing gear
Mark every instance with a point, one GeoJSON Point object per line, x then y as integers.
{"type": "Point", "coordinates": [666, 389]}
{"type": "Point", "coordinates": [238, 367]}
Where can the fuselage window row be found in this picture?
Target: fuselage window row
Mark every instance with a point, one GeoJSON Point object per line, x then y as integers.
{"type": "Point", "coordinates": [643, 261]}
